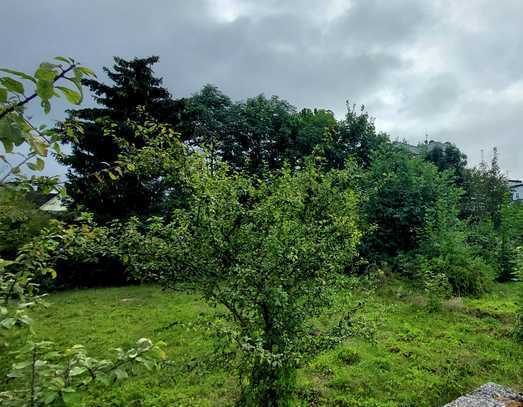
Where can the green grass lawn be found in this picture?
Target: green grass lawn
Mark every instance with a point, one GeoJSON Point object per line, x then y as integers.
{"type": "Point", "coordinates": [414, 358]}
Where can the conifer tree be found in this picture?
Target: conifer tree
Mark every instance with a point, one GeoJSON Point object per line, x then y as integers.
{"type": "Point", "coordinates": [135, 93]}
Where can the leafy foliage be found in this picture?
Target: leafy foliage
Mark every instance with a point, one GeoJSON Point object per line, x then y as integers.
{"type": "Point", "coordinates": [48, 377]}
{"type": "Point", "coordinates": [16, 129]}
{"type": "Point", "coordinates": [402, 191]}
{"type": "Point", "coordinates": [485, 191]}
{"type": "Point", "coordinates": [261, 208]}
{"type": "Point", "coordinates": [20, 220]}
{"type": "Point", "coordinates": [96, 147]}
{"type": "Point", "coordinates": [269, 254]}
{"type": "Point", "coordinates": [447, 157]}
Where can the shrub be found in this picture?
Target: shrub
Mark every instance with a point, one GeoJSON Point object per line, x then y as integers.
{"type": "Point", "coordinates": [437, 288]}
{"type": "Point", "coordinates": [82, 254]}
{"type": "Point", "coordinates": [452, 267]}
{"type": "Point", "coordinates": [271, 254]}
{"type": "Point", "coordinates": [466, 276]}
{"type": "Point", "coordinates": [20, 220]}
{"type": "Point", "coordinates": [401, 192]}
{"type": "Point", "coordinates": [444, 245]}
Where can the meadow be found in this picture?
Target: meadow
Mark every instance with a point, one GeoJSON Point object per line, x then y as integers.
{"type": "Point", "coordinates": [402, 355]}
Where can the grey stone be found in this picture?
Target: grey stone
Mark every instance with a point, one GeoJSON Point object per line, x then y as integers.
{"type": "Point", "coordinates": [489, 395]}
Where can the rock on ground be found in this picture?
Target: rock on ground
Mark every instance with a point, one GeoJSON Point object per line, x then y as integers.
{"type": "Point", "coordinates": [489, 395]}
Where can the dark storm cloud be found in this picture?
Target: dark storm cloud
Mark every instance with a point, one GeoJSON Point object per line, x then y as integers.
{"type": "Point", "coordinates": [450, 69]}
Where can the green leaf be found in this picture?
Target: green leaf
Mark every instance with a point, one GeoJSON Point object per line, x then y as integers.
{"type": "Point", "coordinates": [8, 145]}
{"type": "Point", "coordinates": [57, 383]}
{"type": "Point", "coordinates": [49, 397]}
{"type": "Point", "coordinates": [77, 370]}
{"type": "Point", "coordinates": [46, 72]}
{"type": "Point", "coordinates": [112, 176]}
{"type": "Point", "coordinates": [87, 380]}
{"type": "Point", "coordinates": [120, 374]}
{"type": "Point", "coordinates": [56, 148]}
{"type": "Point", "coordinates": [11, 127]}
{"type": "Point", "coordinates": [8, 322]}
{"type": "Point", "coordinates": [3, 95]}
{"type": "Point", "coordinates": [86, 71]}
{"type": "Point", "coordinates": [14, 375]}
{"type": "Point", "coordinates": [39, 146]}
{"type": "Point", "coordinates": [13, 85]}
{"type": "Point", "coordinates": [21, 365]}
{"type": "Point", "coordinates": [71, 95]}
{"type": "Point", "coordinates": [44, 89]}
{"type": "Point", "coordinates": [63, 59]}
{"type": "Point", "coordinates": [40, 164]}
{"type": "Point", "coordinates": [104, 379]}
{"type": "Point", "coordinates": [19, 74]}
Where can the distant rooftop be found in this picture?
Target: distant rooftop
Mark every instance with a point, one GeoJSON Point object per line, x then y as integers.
{"type": "Point", "coordinates": [427, 146]}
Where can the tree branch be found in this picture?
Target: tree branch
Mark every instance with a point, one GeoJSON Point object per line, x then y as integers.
{"type": "Point", "coordinates": [29, 98]}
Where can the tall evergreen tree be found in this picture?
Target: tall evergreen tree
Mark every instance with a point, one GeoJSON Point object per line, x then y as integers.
{"type": "Point", "coordinates": [133, 85]}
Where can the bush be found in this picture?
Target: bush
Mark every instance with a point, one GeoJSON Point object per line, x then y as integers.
{"type": "Point", "coordinates": [82, 255]}
{"type": "Point", "coordinates": [401, 192]}
{"type": "Point", "coordinates": [444, 245]}
{"type": "Point", "coordinates": [437, 288]}
{"type": "Point", "coordinates": [447, 262]}
{"type": "Point", "coordinates": [271, 255]}
{"type": "Point", "coordinates": [466, 275]}
{"type": "Point", "coordinates": [20, 220]}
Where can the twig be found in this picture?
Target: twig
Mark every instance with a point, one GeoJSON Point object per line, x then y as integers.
{"type": "Point", "coordinates": [29, 98]}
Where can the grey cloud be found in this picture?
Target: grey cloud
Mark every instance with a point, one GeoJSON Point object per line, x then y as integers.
{"type": "Point", "coordinates": [380, 24]}
{"type": "Point", "coordinates": [419, 66]}
{"type": "Point", "coordinates": [435, 96]}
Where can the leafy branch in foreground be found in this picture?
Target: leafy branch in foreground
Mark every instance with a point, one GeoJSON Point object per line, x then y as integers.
{"type": "Point", "coordinates": [47, 376]}
{"type": "Point", "coordinates": [42, 375]}
{"type": "Point", "coordinates": [17, 129]}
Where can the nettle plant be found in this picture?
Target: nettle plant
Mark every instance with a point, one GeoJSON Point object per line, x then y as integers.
{"type": "Point", "coordinates": [41, 373]}
{"type": "Point", "coordinates": [271, 254]}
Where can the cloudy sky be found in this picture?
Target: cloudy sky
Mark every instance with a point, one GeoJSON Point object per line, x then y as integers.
{"type": "Point", "coordinates": [449, 69]}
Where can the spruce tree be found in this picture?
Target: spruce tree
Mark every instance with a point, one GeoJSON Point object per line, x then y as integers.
{"type": "Point", "coordinates": [133, 85]}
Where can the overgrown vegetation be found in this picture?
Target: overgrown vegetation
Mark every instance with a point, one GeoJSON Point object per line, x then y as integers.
{"type": "Point", "coordinates": [286, 222]}
{"type": "Point", "coordinates": [413, 356]}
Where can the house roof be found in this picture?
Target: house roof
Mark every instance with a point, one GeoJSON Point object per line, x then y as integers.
{"type": "Point", "coordinates": [420, 148]}
{"type": "Point", "coordinates": [54, 204]}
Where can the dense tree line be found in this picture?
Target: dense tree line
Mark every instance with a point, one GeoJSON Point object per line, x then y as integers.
{"type": "Point", "coordinates": [257, 136]}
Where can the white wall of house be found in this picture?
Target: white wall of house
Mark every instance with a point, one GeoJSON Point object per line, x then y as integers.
{"type": "Point", "coordinates": [54, 204]}
{"type": "Point", "coordinates": [517, 192]}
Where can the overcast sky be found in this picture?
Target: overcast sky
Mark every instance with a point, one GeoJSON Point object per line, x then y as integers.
{"type": "Point", "coordinates": [452, 69]}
